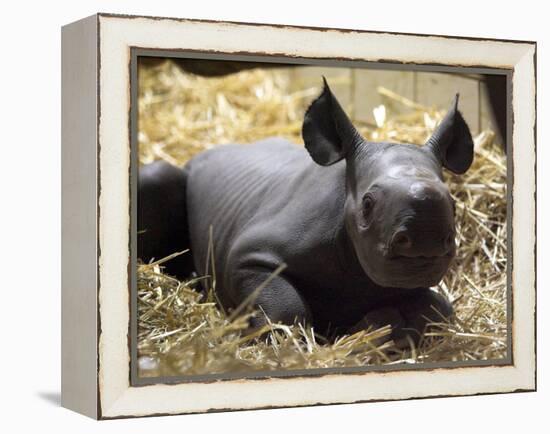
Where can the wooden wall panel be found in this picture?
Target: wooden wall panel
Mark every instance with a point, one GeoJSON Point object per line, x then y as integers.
{"type": "Point", "coordinates": [438, 90]}
{"type": "Point", "coordinates": [367, 96]}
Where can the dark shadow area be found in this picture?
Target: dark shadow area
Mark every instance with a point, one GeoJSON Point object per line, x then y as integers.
{"type": "Point", "coordinates": [52, 398]}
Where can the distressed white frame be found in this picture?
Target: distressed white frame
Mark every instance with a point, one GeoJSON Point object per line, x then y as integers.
{"type": "Point", "coordinates": [114, 396]}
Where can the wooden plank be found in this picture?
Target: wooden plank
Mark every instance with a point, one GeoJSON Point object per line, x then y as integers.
{"type": "Point", "coordinates": [367, 96]}
{"type": "Point", "coordinates": [486, 117]}
{"type": "Point", "coordinates": [438, 90]}
{"type": "Point", "coordinates": [339, 79]}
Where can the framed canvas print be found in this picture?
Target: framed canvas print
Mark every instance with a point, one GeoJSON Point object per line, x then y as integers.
{"type": "Point", "coordinates": [260, 216]}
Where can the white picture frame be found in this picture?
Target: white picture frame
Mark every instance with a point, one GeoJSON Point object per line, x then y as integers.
{"type": "Point", "coordinates": [96, 244]}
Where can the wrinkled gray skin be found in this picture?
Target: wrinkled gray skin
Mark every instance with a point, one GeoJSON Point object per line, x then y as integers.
{"type": "Point", "coordinates": [363, 228]}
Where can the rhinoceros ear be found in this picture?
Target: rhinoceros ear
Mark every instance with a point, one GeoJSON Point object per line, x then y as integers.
{"type": "Point", "coordinates": [452, 141]}
{"type": "Point", "coordinates": [328, 133]}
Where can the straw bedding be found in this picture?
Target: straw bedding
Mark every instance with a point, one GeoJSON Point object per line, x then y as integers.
{"type": "Point", "coordinates": [184, 332]}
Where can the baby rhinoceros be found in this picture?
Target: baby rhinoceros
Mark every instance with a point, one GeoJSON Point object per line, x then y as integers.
{"type": "Point", "coordinates": [364, 228]}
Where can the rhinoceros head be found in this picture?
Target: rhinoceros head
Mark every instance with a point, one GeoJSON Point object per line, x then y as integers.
{"type": "Point", "coordinates": [398, 212]}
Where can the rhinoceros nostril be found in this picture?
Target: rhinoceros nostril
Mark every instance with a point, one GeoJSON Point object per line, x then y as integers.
{"type": "Point", "coordinates": [401, 241]}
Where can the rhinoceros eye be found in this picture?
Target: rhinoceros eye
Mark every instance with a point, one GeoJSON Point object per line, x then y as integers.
{"type": "Point", "coordinates": [368, 205]}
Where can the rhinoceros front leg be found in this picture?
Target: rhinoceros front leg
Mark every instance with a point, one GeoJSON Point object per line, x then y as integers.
{"type": "Point", "coordinates": [274, 294]}
{"type": "Point", "coordinates": [408, 315]}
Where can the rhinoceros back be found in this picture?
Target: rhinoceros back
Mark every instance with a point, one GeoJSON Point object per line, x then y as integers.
{"type": "Point", "coordinates": [228, 185]}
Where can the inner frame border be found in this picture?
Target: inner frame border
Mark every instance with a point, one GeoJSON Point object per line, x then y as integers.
{"type": "Point", "coordinates": [133, 128]}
